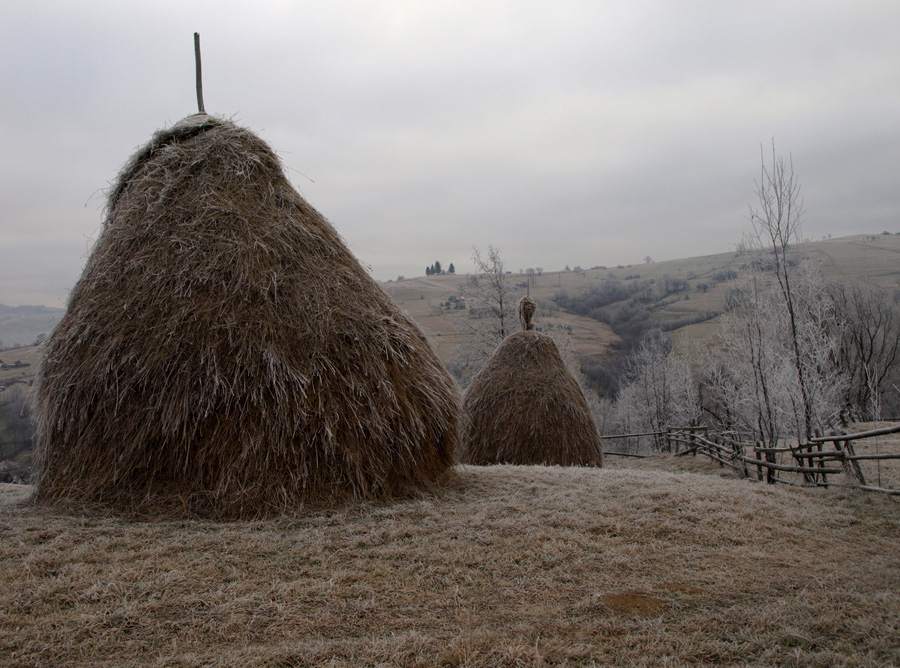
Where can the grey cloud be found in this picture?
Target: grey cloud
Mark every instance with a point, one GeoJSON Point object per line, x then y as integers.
{"type": "Point", "coordinates": [577, 133]}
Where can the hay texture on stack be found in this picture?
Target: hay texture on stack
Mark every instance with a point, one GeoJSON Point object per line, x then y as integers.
{"type": "Point", "coordinates": [525, 407]}
{"type": "Point", "coordinates": [224, 353]}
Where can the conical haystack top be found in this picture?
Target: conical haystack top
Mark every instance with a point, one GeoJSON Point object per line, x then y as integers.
{"type": "Point", "coordinates": [525, 407]}
{"type": "Point", "coordinates": [224, 352]}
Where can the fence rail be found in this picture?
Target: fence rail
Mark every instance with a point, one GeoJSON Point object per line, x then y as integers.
{"type": "Point", "coordinates": [811, 461]}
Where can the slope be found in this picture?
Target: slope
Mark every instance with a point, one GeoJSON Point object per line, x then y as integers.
{"type": "Point", "coordinates": [509, 566]}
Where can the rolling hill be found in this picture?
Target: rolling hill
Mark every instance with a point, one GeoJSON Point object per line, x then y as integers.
{"type": "Point", "coordinates": [706, 281]}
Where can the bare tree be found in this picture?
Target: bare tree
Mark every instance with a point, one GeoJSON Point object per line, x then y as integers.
{"type": "Point", "coordinates": [868, 330]}
{"type": "Point", "coordinates": [490, 316]}
{"type": "Point", "coordinates": [753, 372]}
{"type": "Point", "coordinates": [494, 292]}
{"type": "Point", "coordinates": [777, 224]}
{"type": "Point", "coordinates": [743, 372]}
{"type": "Point", "coordinates": [659, 391]}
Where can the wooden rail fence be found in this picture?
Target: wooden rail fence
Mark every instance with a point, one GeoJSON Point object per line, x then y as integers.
{"type": "Point", "coordinates": [811, 460]}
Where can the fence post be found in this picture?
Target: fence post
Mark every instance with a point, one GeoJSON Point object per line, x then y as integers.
{"type": "Point", "coordinates": [740, 448]}
{"type": "Point", "coordinates": [808, 477]}
{"type": "Point", "coordinates": [822, 465]}
{"type": "Point", "coordinates": [851, 467]}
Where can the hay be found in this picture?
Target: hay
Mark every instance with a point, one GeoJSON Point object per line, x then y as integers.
{"type": "Point", "coordinates": [527, 307]}
{"type": "Point", "coordinates": [525, 407]}
{"type": "Point", "coordinates": [224, 353]}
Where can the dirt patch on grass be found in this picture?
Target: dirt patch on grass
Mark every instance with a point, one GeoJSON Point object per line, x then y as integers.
{"type": "Point", "coordinates": [634, 602]}
{"type": "Point", "coordinates": [514, 566]}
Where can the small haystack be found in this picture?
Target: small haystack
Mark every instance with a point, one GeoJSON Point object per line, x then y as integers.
{"type": "Point", "coordinates": [224, 352]}
{"type": "Point", "coordinates": [525, 407]}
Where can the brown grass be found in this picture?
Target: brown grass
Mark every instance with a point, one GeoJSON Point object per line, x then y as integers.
{"type": "Point", "coordinates": [525, 407]}
{"type": "Point", "coordinates": [225, 354]}
{"type": "Point", "coordinates": [517, 566]}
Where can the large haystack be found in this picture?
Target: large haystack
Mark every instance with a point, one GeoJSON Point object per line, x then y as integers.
{"type": "Point", "coordinates": [525, 407]}
{"type": "Point", "coordinates": [224, 352]}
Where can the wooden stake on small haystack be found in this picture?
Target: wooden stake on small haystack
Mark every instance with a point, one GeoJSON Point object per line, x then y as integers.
{"type": "Point", "coordinates": [199, 73]}
{"type": "Point", "coordinates": [527, 307]}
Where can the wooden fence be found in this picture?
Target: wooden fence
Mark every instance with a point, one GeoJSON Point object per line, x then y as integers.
{"type": "Point", "coordinates": [614, 453]}
{"type": "Point", "coordinates": [810, 460]}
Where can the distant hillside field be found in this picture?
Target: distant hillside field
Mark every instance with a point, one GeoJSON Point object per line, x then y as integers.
{"type": "Point", "coordinates": [873, 258]}
{"type": "Point", "coordinates": [19, 366]}
{"type": "Point", "coordinates": [21, 325]}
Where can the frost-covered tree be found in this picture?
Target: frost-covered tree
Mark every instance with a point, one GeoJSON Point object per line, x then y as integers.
{"type": "Point", "coordinates": [867, 324]}
{"type": "Point", "coordinates": [773, 372]}
{"type": "Point", "coordinates": [775, 375]}
{"type": "Point", "coordinates": [776, 223]}
{"type": "Point", "coordinates": [659, 390]}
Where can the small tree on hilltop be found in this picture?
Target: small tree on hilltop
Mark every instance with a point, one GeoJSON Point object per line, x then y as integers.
{"type": "Point", "coordinates": [451, 269]}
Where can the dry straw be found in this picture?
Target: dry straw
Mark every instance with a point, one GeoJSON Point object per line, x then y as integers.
{"type": "Point", "coordinates": [527, 307]}
{"type": "Point", "coordinates": [225, 354]}
{"type": "Point", "coordinates": [525, 407]}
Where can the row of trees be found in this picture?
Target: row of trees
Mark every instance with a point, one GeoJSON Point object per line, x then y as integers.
{"type": "Point", "coordinates": [436, 269]}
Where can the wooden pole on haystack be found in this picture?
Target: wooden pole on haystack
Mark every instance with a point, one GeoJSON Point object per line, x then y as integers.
{"type": "Point", "coordinates": [199, 73]}
{"type": "Point", "coordinates": [527, 307]}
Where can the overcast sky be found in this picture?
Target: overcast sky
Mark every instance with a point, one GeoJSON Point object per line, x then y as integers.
{"type": "Point", "coordinates": [564, 132]}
